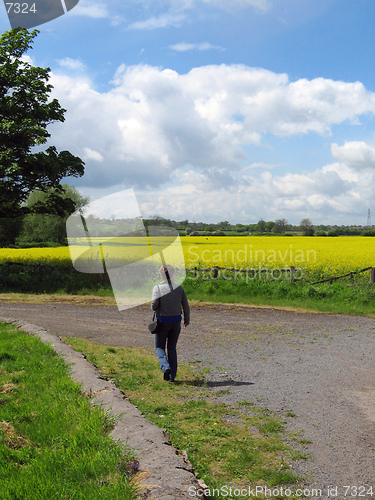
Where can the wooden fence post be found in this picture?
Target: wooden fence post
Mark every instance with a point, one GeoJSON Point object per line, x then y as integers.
{"type": "Point", "coordinates": [372, 275]}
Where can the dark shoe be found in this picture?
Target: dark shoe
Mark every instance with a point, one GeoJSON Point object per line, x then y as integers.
{"type": "Point", "coordinates": [167, 374]}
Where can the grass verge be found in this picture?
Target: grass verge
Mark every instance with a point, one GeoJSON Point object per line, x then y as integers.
{"type": "Point", "coordinates": [344, 296]}
{"type": "Point", "coordinates": [236, 446]}
{"type": "Point", "coordinates": [53, 443]}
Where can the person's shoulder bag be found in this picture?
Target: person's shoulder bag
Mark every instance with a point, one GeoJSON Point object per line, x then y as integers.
{"type": "Point", "coordinates": [153, 325]}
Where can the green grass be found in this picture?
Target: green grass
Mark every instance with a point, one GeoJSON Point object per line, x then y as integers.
{"type": "Point", "coordinates": [53, 443]}
{"type": "Point", "coordinates": [344, 296]}
{"type": "Point", "coordinates": [236, 446]}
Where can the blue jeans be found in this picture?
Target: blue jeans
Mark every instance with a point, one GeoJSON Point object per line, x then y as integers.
{"type": "Point", "coordinates": [168, 334]}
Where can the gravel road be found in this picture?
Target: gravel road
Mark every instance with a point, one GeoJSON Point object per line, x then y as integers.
{"type": "Point", "coordinates": [319, 368]}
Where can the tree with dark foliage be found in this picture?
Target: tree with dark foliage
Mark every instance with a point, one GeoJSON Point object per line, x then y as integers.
{"type": "Point", "coordinates": [307, 227]}
{"type": "Point", "coordinates": [26, 110]}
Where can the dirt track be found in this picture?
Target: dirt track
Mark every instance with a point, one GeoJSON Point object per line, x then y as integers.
{"type": "Point", "coordinates": [319, 368]}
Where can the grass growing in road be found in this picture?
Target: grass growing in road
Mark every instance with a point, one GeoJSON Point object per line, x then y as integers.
{"type": "Point", "coordinates": [53, 443]}
{"type": "Point", "coordinates": [235, 446]}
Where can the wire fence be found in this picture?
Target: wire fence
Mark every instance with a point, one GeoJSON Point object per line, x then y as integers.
{"type": "Point", "coordinates": [291, 270]}
{"type": "Point", "coordinates": [351, 275]}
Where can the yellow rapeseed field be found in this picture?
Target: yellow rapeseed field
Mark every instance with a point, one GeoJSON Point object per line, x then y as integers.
{"type": "Point", "coordinates": [60, 255]}
{"type": "Point", "coordinates": [325, 256]}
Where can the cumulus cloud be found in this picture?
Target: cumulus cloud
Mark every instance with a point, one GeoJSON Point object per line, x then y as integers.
{"type": "Point", "coordinates": [355, 154]}
{"type": "Point", "coordinates": [155, 121]}
{"type": "Point", "coordinates": [187, 134]}
{"type": "Point", "coordinates": [323, 196]}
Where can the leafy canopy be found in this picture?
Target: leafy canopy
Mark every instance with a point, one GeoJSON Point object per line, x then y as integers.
{"type": "Point", "coordinates": [26, 110]}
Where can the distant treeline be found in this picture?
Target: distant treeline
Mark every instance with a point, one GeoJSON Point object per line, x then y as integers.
{"type": "Point", "coordinates": [278, 227]}
{"type": "Point", "coordinates": [49, 230]}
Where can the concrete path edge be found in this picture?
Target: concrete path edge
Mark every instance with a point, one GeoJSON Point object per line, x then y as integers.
{"type": "Point", "coordinates": [164, 472]}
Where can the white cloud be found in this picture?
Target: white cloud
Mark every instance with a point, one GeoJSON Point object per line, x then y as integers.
{"type": "Point", "coordinates": [161, 120]}
{"type": "Point", "coordinates": [173, 12]}
{"type": "Point", "coordinates": [355, 154]}
{"type": "Point", "coordinates": [262, 5]}
{"type": "Point", "coordinates": [322, 196]}
{"type": "Point", "coordinates": [261, 164]}
{"type": "Point", "coordinates": [70, 63]}
{"type": "Point", "coordinates": [184, 46]}
{"type": "Point", "coordinates": [162, 21]}
{"type": "Point", "coordinates": [27, 59]}
{"type": "Point", "coordinates": [90, 8]}
{"type": "Point", "coordinates": [186, 134]}
{"type": "Point", "coordinates": [91, 154]}
{"type": "Point", "coordinates": [346, 173]}
{"type": "Point", "coordinates": [95, 10]}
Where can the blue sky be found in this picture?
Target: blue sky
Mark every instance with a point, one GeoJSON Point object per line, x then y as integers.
{"type": "Point", "coordinates": [219, 109]}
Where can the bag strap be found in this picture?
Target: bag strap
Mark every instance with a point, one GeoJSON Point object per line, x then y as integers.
{"type": "Point", "coordinates": [153, 317]}
{"type": "Point", "coordinates": [168, 278]}
{"type": "Point", "coordinates": [169, 281]}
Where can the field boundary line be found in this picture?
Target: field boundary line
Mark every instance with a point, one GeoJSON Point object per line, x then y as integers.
{"type": "Point", "coordinates": [290, 270]}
